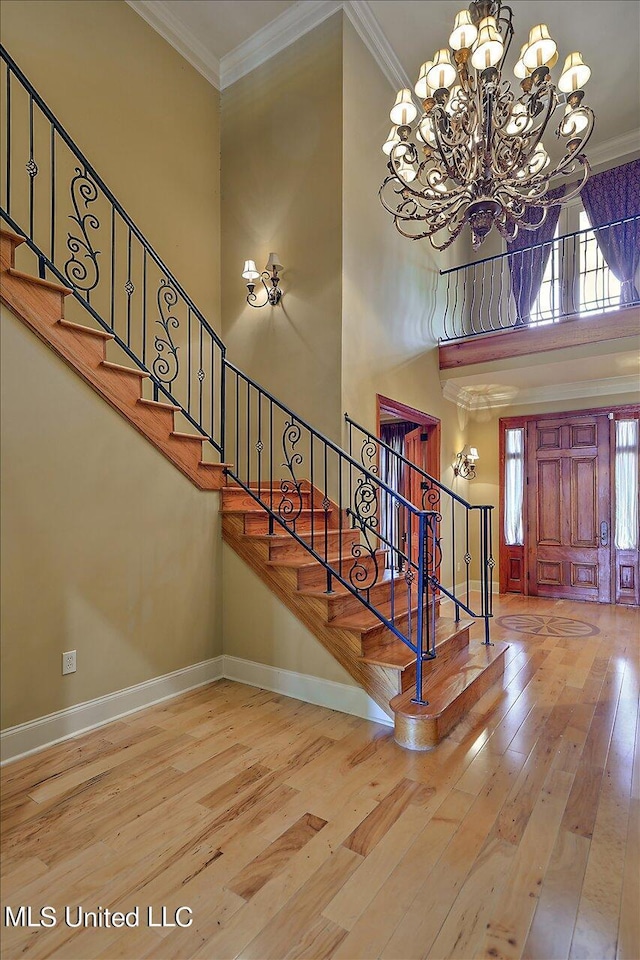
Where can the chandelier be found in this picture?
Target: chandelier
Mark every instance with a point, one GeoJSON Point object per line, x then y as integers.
{"type": "Point", "coordinates": [475, 154]}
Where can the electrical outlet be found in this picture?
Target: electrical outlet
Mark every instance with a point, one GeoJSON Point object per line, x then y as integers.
{"type": "Point", "coordinates": [68, 662]}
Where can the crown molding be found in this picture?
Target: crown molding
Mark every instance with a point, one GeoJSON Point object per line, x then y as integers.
{"type": "Point", "coordinates": [615, 148]}
{"type": "Point", "coordinates": [370, 32]}
{"type": "Point", "coordinates": [187, 44]}
{"type": "Point", "coordinates": [274, 37]}
{"type": "Point", "coordinates": [492, 397]}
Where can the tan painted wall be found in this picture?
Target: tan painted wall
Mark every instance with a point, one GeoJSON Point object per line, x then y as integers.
{"type": "Point", "coordinates": [392, 309]}
{"type": "Point", "coordinates": [106, 548]}
{"type": "Point", "coordinates": [281, 191]}
{"type": "Point", "coordinates": [142, 115]}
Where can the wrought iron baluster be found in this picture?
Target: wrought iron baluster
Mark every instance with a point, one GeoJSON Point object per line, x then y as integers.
{"type": "Point", "coordinates": [259, 444]}
{"type": "Point", "coordinates": [32, 168]}
{"type": "Point", "coordinates": [52, 149]}
{"type": "Point", "coordinates": [201, 376]}
{"type": "Point", "coordinates": [112, 309]}
{"type": "Point", "coordinates": [144, 307]}
{"type": "Point", "coordinates": [8, 160]}
{"type": "Point", "coordinates": [326, 503]}
{"type": "Point", "coordinates": [129, 288]}
{"type": "Point", "coordinates": [271, 477]}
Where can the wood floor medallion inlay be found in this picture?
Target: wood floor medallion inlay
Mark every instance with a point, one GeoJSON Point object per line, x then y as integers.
{"type": "Point", "coordinates": [542, 626]}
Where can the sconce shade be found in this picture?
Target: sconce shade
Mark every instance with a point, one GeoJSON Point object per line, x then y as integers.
{"type": "Point", "coordinates": [404, 109]}
{"type": "Point", "coordinates": [442, 73]}
{"type": "Point", "coordinates": [464, 31]}
{"type": "Point", "coordinates": [422, 88]}
{"type": "Point", "coordinates": [488, 48]}
{"type": "Point", "coordinates": [273, 263]}
{"type": "Point", "coordinates": [575, 73]}
{"type": "Point", "coordinates": [249, 271]}
{"type": "Point", "coordinates": [469, 453]}
{"type": "Point", "coordinates": [390, 143]}
{"type": "Point", "coordinates": [541, 48]}
{"type": "Point", "coordinates": [520, 70]}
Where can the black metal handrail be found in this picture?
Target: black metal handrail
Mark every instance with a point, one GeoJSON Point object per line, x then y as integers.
{"type": "Point", "coordinates": [105, 259]}
{"type": "Point", "coordinates": [329, 502]}
{"type": "Point", "coordinates": [458, 520]}
{"type": "Point", "coordinates": [515, 290]}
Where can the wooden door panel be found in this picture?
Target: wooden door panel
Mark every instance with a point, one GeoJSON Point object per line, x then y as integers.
{"type": "Point", "coordinates": [568, 492]}
{"type": "Point", "coordinates": [584, 502]}
{"type": "Point", "coordinates": [549, 501]}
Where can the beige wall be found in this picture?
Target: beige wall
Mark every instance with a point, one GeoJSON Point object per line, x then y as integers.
{"type": "Point", "coordinates": [281, 191]}
{"type": "Point", "coordinates": [106, 548]}
{"type": "Point", "coordinates": [142, 115]}
{"type": "Point", "coordinates": [392, 308]}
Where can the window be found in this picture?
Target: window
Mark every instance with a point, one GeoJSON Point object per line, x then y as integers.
{"type": "Point", "coordinates": [599, 289]}
{"type": "Point", "coordinates": [547, 305]}
{"type": "Point", "coordinates": [576, 279]}
{"type": "Point", "coordinates": [513, 486]}
{"type": "Point", "coordinates": [626, 476]}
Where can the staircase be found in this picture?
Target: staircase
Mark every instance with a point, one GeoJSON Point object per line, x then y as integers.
{"type": "Point", "coordinates": [314, 522]}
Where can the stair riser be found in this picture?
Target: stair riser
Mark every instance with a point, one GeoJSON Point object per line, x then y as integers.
{"type": "Point", "coordinates": [291, 549]}
{"type": "Point", "coordinates": [379, 593]}
{"type": "Point", "coordinates": [309, 578]}
{"type": "Point", "coordinates": [419, 733]}
{"type": "Point", "coordinates": [259, 524]}
{"type": "Point", "coordinates": [234, 498]}
{"type": "Point", "coordinates": [444, 652]}
{"type": "Point", "coordinates": [7, 248]}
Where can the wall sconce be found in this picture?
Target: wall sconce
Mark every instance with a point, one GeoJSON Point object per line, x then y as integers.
{"type": "Point", "coordinates": [268, 276]}
{"type": "Point", "coordinates": [465, 463]}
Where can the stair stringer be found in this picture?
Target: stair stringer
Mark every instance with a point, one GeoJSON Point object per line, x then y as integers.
{"type": "Point", "coordinates": [344, 645]}
{"type": "Point", "coordinates": [39, 304]}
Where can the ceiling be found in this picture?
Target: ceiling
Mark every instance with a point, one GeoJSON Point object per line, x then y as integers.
{"type": "Point", "coordinates": [226, 38]}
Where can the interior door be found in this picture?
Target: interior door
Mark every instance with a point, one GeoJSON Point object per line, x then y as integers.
{"type": "Point", "coordinates": [419, 448]}
{"type": "Point", "coordinates": [569, 511]}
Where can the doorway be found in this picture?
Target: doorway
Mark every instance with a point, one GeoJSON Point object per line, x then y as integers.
{"type": "Point", "coordinates": [569, 505]}
{"type": "Point", "coordinates": [414, 435]}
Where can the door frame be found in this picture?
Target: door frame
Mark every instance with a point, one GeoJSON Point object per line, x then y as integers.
{"type": "Point", "coordinates": [620, 412]}
{"type": "Point", "coordinates": [421, 419]}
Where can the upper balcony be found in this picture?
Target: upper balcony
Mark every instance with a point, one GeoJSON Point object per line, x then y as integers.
{"type": "Point", "coordinates": [543, 297]}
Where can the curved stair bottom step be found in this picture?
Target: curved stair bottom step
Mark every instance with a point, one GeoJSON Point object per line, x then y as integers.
{"type": "Point", "coordinates": [451, 695]}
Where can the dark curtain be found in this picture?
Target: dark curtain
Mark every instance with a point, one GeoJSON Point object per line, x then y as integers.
{"type": "Point", "coordinates": [526, 267]}
{"type": "Point", "coordinates": [607, 197]}
{"type": "Point", "coordinates": [392, 473]}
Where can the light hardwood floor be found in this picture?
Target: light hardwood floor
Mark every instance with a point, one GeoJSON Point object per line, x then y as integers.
{"type": "Point", "coordinates": [293, 831]}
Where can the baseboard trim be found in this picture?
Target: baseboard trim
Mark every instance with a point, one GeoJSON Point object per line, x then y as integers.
{"type": "Point", "coordinates": [301, 686]}
{"type": "Point", "coordinates": [25, 738]}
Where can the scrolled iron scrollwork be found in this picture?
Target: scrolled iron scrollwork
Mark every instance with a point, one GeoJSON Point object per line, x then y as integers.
{"type": "Point", "coordinates": [434, 547]}
{"type": "Point", "coordinates": [166, 365]}
{"type": "Point", "coordinates": [364, 516]}
{"type": "Point", "coordinates": [82, 269]}
{"type": "Point", "coordinates": [290, 506]}
{"type": "Point", "coordinates": [368, 455]}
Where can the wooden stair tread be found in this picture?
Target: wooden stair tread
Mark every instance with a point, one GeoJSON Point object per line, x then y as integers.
{"type": "Point", "coordinates": [118, 367]}
{"type": "Point", "coordinates": [187, 436]}
{"type": "Point", "coordinates": [442, 687]}
{"type": "Point", "coordinates": [340, 589]}
{"type": "Point", "coordinates": [260, 510]}
{"type": "Point", "coordinates": [81, 328]}
{"type": "Point", "coordinates": [301, 564]}
{"type": "Point", "coordinates": [363, 620]}
{"type": "Point", "coordinates": [396, 654]}
{"type": "Point", "coordinates": [49, 284]}
{"type": "Point", "coordinates": [160, 403]}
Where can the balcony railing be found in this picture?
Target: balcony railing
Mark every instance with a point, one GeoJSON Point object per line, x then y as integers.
{"type": "Point", "coordinates": [499, 292]}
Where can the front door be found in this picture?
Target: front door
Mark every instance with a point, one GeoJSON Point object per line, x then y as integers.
{"type": "Point", "coordinates": [569, 508]}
